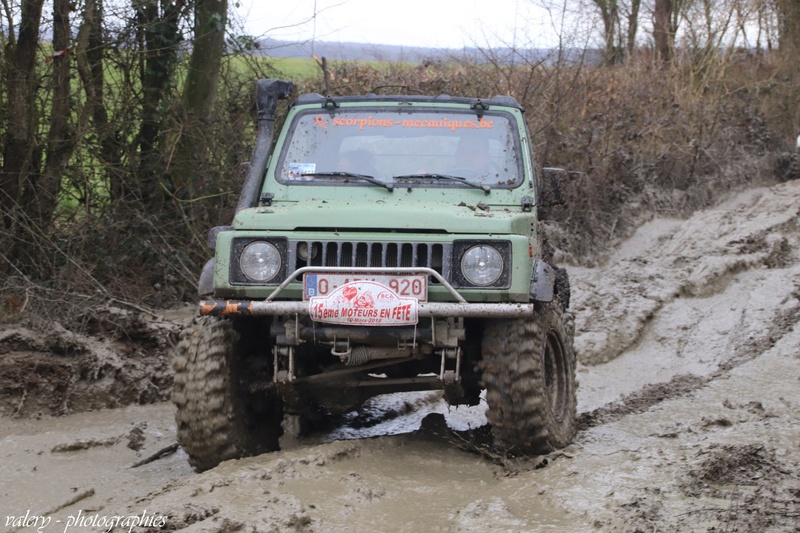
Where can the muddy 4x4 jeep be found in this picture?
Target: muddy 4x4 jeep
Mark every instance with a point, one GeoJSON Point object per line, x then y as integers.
{"type": "Point", "coordinates": [381, 244]}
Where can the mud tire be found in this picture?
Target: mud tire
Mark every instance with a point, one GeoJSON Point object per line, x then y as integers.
{"type": "Point", "coordinates": [528, 368]}
{"type": "Point", "coordinates": [216, 419]}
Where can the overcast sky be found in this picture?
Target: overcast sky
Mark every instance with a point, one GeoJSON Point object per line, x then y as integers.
{"type": "Point", "coordinates": [434, 23]}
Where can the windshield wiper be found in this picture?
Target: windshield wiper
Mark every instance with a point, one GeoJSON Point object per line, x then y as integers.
{"type": "Point", "coordinates": [432, 176]}
{"type": "Point", "coordinates": [341, 174]}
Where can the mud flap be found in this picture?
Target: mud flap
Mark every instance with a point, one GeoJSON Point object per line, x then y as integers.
{"type": "Point", "coordinates": [543, 282]}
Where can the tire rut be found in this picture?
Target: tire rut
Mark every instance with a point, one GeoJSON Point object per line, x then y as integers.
{"type": "Point", "coordinates": [684, 384]}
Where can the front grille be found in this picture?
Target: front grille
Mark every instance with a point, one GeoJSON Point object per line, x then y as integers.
{"type": "Point", "coordinates": [374, 254]}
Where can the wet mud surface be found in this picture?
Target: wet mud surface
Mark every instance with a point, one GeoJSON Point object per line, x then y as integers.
{"type": "Point", "coordinates": [689, 415]}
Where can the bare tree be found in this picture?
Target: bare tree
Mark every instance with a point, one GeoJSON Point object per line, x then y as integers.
{"type": "Point", "coordinates": [20, 153]}
{"type": "Point", "coordinates": [60, 138]}
{"type": "Point", "coordinates": [609, 15]}
{"type": "Point", "coordinates": [663, 36]}
{"type": "Point", "coordinates": [620, 22]}
{"type": "Point", "coordinates": [90, 51]}
{"type": "Point", "coordinates": [789, 25]}
{"type": "Point", "coordinates": [633, 25]}
{"type": "Point", "coordinates": [199, 93]}
{"type": "Point", "coordinates": [159, 34]}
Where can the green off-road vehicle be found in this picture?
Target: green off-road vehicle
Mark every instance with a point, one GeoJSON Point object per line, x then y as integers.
{"type": "Point", "coordinates": [381, 244]}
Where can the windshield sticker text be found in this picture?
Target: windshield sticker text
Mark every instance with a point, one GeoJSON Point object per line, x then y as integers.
{"type": "Point", "coordinates": [372, 122]}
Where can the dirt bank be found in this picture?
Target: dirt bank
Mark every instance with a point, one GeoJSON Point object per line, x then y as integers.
{"type": "Point", "coordinates": [117, 357]}
{"type": "Point", "coordinates": [688, 403]}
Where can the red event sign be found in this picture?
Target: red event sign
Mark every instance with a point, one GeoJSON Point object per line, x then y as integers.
{"type": "Point", "coordinates": [364, 303]}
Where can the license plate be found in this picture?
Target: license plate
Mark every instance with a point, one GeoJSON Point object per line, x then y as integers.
{"type": "Point", "coordinates": [405, 286]}
{"type": "Point", "coordinates": [364, 303]}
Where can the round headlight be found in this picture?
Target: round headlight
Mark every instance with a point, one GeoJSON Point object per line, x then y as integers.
{"type": "Point", "coordinates": [482, 265]}
{"type": "Point", "coordinates": [260, 261]}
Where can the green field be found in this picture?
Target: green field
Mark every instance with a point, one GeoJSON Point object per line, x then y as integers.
{"type": "Point", "coordinates": [295, 67]}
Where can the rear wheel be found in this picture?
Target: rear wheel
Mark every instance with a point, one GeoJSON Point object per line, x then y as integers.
{"type": "Point", "coordinates": [528, 370]}
{"type": "Point", "coordinates": [218, 418]}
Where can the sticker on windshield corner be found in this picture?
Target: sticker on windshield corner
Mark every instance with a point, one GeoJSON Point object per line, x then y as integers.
{"type": "Point", "coordinates": [297, 171]}
{"type": "Point", "coordinates": [364, 303]}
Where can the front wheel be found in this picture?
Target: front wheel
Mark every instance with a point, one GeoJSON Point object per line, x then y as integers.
{"type": "Point", "coordinates": [217, 417]}
{"type": "Point", "coordinates": [528, 368]}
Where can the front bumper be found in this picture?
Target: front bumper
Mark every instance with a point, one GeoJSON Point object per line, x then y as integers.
{"type": "Point", "coordinates": [426, 309]}
{"type": "Point", "coordinates": [271, 307]}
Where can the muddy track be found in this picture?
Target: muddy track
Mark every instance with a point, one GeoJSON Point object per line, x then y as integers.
{"type": "Point", "coordinates": [689, 418]}
{"type": "Point", "coordinates": [684, 384]}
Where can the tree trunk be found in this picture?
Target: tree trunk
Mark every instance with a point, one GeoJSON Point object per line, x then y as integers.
{"type": "Point", "coordinates": [633, 26]}
{"type": "Point", "coordinates": [609, 14]}
{"type": "Point", "coordinates": [662, 30]}
{"type": "Point", "coordinates": [789, 36]}
{"type": "Point", "coordinates": [161, 36]}
{"type": "Point", "coordinates": [204, 66]}
{"type": "Point", "coordinates": [199, 94]}
{"type": "Point", "coordinates": [60, 139]}
{"type": "Point", "coordinates": [90, 50]}
{"type": "Point", "coordinates": [19, 152]}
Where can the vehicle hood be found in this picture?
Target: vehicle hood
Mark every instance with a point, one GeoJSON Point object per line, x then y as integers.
{"type": "Point", "coordinates": [365, 217]}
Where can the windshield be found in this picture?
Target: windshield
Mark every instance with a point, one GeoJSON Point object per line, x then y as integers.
{"type": "Point", "coordinates": [419, 149]}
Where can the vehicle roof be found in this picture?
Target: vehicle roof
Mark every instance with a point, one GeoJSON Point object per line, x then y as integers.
{"type": "Point", "coordinates": [334, 101]}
